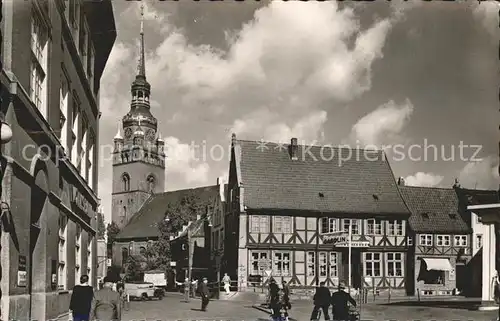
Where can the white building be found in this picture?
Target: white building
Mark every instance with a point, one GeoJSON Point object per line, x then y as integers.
{"type": "Point", "coordinates": [484, 207]}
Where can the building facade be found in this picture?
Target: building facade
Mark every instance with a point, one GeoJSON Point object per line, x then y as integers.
{"type": "Point", "coordinates": [102, 259]}
{"type": "Point", "coordinates": [138, 156]}
{"type": "Point", "coordinates": [290, 209]}
{"type": "Point", "coordinates": [441, 247]}
{"type": "Point", "coordinates": [54, 53]}
{"type": "Point", "coordinates": [143, 228]}
{"type": "Point", "coordinates": [215, 237]}
{"type": "Point", "coordinates": [485, 204]}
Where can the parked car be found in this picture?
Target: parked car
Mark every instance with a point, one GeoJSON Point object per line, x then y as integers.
{"type": "Point", "coordinates": [142, 291]}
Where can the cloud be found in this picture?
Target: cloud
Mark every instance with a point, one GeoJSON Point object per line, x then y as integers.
{"type": "Point", "coordinates": [279, 76]}
{"type": "Point", "coordinates": [481, 175]}
{"type": "Point", "coordinates": [270, 128]}
{"type": "Point", "coordinates": [486, 13]}
{"type": "Point", "coordinates": [184, 159]}
{"type": "Point", "coordinates": [276, 64]}
{"type": "Point", "coordinates": [383, 125]}
{"type": "Point", "coordinates": [423, 179]}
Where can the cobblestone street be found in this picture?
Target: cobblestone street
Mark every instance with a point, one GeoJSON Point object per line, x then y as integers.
{"type": "Point", "coordinates": [173, 308]}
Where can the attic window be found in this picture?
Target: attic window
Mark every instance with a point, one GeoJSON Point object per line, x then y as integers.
{"type": "Point", "coordinates": [375, 197]}
{"type": "Point", "coordinates": [453, 215]}
{"type": "Point", "coordinates": [425, 215]}
{"type": "Point", "coordinates": [321, 195]}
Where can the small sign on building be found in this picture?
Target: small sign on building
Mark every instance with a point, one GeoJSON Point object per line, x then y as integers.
{"type": "Point", "coordinates": [452, 275]}
{"type": "Point", "coordinates": [21, 272]}
{"type": "Point", "coordinates": [173, 263]}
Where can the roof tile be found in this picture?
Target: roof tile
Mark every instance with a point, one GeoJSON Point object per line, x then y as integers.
{"type": "Point", "coordinates": [438, 204]}
{"type": "Point", "coordinates": [361, 184]}
{"type": "Point", "coordinates": [144, 223]}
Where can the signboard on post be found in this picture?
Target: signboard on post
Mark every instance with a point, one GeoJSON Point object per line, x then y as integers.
{"type": "Point", "coordinates": [341, 239]}
{"type": "Point", "coordinates": [264, 264]}
{"type": "Point", "coordinates": [353, 244]}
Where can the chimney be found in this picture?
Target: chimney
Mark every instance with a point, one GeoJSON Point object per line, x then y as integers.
{"type": "Point", "coordinates": [293, 149]}
{"type": "Point", "coordinates": [401, 181]}
{"type": "Point", "coordinates": [456, 184]}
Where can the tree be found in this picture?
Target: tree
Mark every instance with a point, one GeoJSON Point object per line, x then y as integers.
{"type": "Point", "coordinates": [101, 228]}
{"type": "Point", "coordinates": [113, 231]}
{"type": "Point", "coordinates": [176, 215]}
{"type": "Point", "coordinates": [133, 268]}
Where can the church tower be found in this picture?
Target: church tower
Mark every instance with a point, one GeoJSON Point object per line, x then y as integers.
{"type": "Point", "coordinates": [138, 156]}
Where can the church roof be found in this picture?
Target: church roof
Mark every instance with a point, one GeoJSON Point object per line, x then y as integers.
{"type": "Point", "coordinates": [144, 223]}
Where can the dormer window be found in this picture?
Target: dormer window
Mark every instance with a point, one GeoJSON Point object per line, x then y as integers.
{"type": "Point", "coordinates": [453, 216]}
{"type": "Point", "coordinates": [425, 215]}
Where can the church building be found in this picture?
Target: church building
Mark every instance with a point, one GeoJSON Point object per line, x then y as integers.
{"type": "Point", "coordinates": [138, 156]}
{"type": "Point", "coordinates": [139, 200]}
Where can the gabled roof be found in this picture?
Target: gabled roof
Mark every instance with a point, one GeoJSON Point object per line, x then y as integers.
{"type": "Point", "coordinates": [432, 210]}
{"type": "Point", "coordinates": [362, 184]}
{"type": "Point", "coordinates": [144, 223]}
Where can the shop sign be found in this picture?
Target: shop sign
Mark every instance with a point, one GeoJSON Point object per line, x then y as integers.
{"type": "Point", "coordinates": [81, 202]}
{"type": "Point", "coordinates": [21, 272]}
{"type": "Point", "coordinates": [354, 244]}
{"type": "Point", "coordinates": [451, 276]}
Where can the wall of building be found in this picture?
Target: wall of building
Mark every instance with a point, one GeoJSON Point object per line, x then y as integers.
{"type": "Point", "coordinates": [449, 282]}
{"type": "Point", "coordinates": [479, 230]}
{"type": "Point", "coordinates": [40, 187]}
{"type": "Point", "coordinates": [101, 259]}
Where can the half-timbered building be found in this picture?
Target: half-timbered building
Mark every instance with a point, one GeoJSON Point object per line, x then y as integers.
{"type": "Point", "coordinates": [290, 209]}
{"type": "Point", "coordinates": [440, 241]}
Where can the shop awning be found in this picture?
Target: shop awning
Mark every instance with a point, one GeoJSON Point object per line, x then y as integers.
{"type": "Point", "coordinates": [438, 264]}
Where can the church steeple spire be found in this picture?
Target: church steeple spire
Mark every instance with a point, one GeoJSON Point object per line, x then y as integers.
{"type": "Point", "coordinates": [141, 67]}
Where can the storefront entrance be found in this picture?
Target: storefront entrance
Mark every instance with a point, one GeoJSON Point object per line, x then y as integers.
{"type": "Point", "coordinates": [356, 267]}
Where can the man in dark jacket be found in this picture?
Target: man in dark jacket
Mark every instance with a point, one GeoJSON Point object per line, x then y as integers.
{"type": "Point", "coordinates": [107, 303]}
{"type": "Point", "coordinates": [339, 303]}
{"type": "Point", "coordinates": [274, 299]}
{"type": "Point", "coordinates": [322, 299]}
{"type": "Point", "coordinates": [81, 300]}
{"type": "Point", "coordinates": [205, 294]}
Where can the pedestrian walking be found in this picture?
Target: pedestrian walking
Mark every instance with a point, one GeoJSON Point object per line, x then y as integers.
{"type": "Point", "coordinates": [204, 293]}
{"type": "Point", "coordinates": [187, 288]}
{"type": "Point", "coordinates": [274, 300]}
{"type": "Point", "coordinates": [81, 300]}
{"type": "Point", "coordinates": [125, 299]}
{"type": "Point", "coordinates": [340, 300]}
{"type": "Point", "coordinates": [107, 303]}
{"type": "Point", "coordinates": [285, 299]}
{"type": "Point", "coordinates": [321, 301]}
{"type": "Point", "coordinates": [496, 292]}
{"type": "Point", "coordinates": [227, 283]}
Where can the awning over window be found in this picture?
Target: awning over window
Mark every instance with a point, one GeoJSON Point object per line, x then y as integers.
{"type": "Point", "coordinates": [438, 264]}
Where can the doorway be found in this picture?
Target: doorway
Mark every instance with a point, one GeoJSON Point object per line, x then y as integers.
{"type": "Point", "coordinates": [356, 267]}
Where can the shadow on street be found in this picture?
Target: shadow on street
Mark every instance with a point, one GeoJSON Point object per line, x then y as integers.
{"type": "Point", "coordinates": [464, 305]}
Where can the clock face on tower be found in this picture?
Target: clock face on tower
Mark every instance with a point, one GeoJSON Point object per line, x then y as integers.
{"type": "Point", "coordinates": [150, 135]}
{"type": "Point", "coordinates": [128, 133]}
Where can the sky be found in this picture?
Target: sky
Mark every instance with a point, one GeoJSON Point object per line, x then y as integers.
{"type": "Point", "coordinates": [418, 80]}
